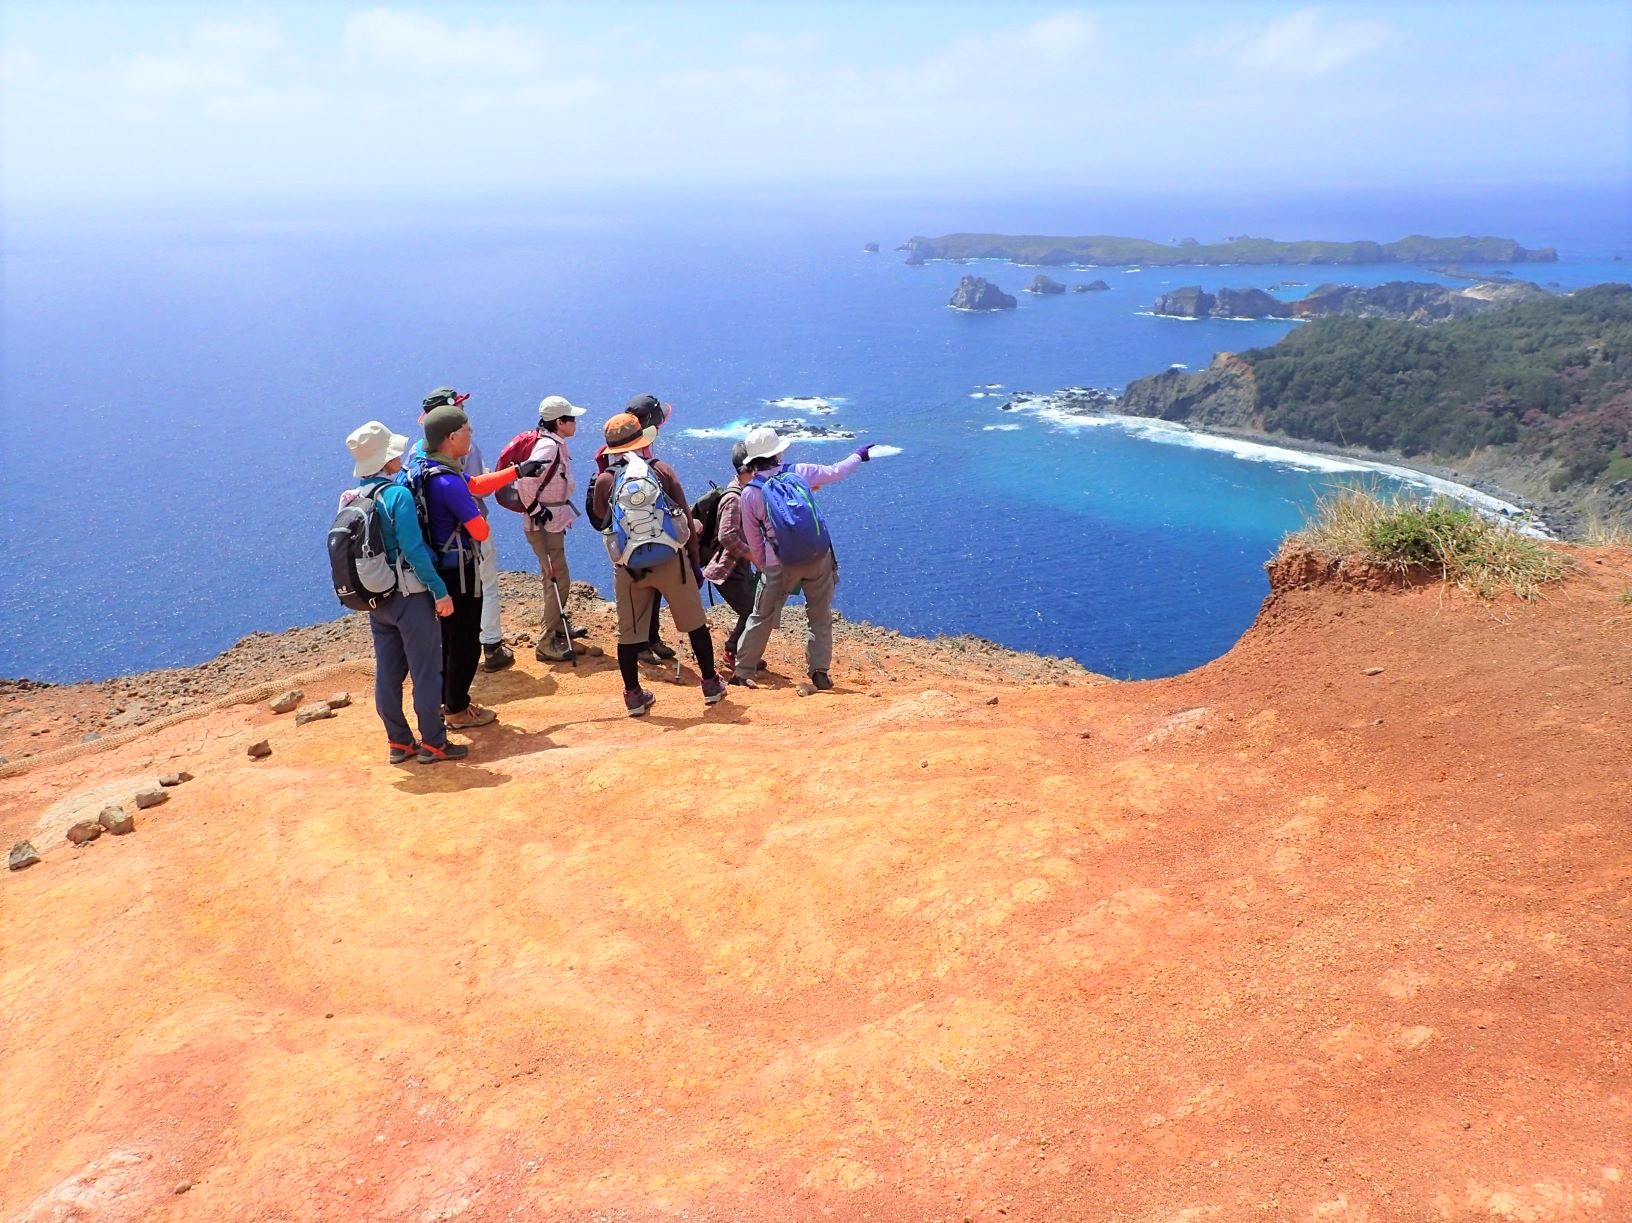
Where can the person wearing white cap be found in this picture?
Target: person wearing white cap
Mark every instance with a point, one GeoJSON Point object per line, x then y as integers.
{"type": "Point", "coordinates": [407, 638]}
{"type": "Point", "coordinates": [784, 534]}
{"type": "Point", "coordinates": [548, 510]}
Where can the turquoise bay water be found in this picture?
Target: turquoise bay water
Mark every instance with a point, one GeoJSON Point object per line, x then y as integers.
{"type": "Point", "coordinates": [177, 395]}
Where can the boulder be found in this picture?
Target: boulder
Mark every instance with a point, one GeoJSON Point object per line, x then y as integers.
{"type": "Point", "coordinates": [1192, 301]}
{"type": "Point", "coordinates": [871, 248]}
{"type": "Point", "coordinates": [314, 712]}
{"type": "Point", "coordinates": [84, 832]}
{"type": "Point", "coordinates": [117, 820]}
{"type": "Point", "coordinates": [289, 700]}
{"type": "Point", "coordinates": [1093, 286]}
{"type": "Point", "coordinates": [175, 779]}
{"type": "Point", "coordinates": [151, 798]}
{"type": "Point", "coordinates": [1250, 303]}
{"type": "Point", "coordinates": [261, 750]}
{"type": "Point", "coordinates": [22, 854]}
{"type": "Point", "coordinates": [1043, 284]}
{"type": "Point", "coordinates": [977, 293]}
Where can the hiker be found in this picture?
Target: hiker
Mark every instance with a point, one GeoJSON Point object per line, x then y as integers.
{"type": "Point", "coordinates": [654, 553]}
{"type": "Point", "coordinates": [496, 656]}
{"type": "Point", "coordinates": [546, 502]}
{"type": "Point", "coordinates": [407, 642]}
{"type": "Point", "coordinates": [730, 566]}
{"type": "Point", "coordinates": [457, 528]}
{"type": "Point", "coordinates": [652, 413]}
{"type": "Point", "coordinates": [783, 533]}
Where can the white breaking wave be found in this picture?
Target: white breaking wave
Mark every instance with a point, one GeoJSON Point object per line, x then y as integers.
{"type": "Point", "coordinates": [884, 452]}
{"type": "Point", "coordinates": [999, 428]}
{"type": "Point", "coordinates": [1178, 365]}
{"type": "Point", "coordinates": [818, 405]}
{"type": "Point", "coordinates": [793, 430]}
{"type": "Point", "coordinates": [977, 395]}
{"type": "Point", "coordinates": [1174, 434]}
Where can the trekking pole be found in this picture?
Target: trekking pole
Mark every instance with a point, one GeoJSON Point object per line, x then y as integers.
{"type": "Point", "coordinates": [566, 621]}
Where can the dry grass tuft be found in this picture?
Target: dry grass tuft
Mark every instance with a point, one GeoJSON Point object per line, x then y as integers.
{"type": "Point", "coordinates": [1402, 532]}
{"type": "Point", "coordinates": [1601, 533]}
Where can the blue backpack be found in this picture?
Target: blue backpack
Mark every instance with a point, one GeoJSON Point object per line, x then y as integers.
{"type": "Point", "coordinates": [647, 528]}
{"type": "Point", "coordinates": [791, 517]}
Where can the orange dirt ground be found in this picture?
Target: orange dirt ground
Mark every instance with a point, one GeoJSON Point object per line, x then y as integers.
{"type": "Point", "coordinates": [1276, 939]}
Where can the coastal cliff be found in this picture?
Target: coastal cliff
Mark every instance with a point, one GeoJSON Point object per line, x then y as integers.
{"type": "Point", "coordinates": [1111, 251]}
{"type": "Point", "coordinates": [1410, 300]}
{"type": "Point", "coordinates": [976, 293]}
{"type": "Point", "coordinates": [1010, 939]}
{"type": "Point", "coordinates": [1535, 397]}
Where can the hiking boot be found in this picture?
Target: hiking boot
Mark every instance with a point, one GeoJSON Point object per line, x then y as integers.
{"type": "Point", "coordinates": [402, 753]}
{"type": "Point", "coordinates": [713, 691]}
{"type": "Point", "coordinates": [497, 657]}
{"type": "Point", "coordinates": [638, 701]}
{"type": "Point", "coordinates": [579, 631]}
{"type": "Point", "coordinates": [554, 650]}
{"type": "Point", "coordinates": [473, 715]}
{"type": "Point", "coordinates": [742, 681]}
{"type": "Point", "coordinates": [820, 679]}
{"type": "Point", "coordinates": [657, 651]}
{"type": "Point", "coordinates": [728, 660]}
{"type": "Point", "coordinates": [437, 755]}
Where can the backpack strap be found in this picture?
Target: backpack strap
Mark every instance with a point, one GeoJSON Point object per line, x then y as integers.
{"type": "Point", "coordinates": [549, 474]}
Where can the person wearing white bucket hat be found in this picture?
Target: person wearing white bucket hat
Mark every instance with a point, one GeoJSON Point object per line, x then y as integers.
{"type": "Point", "coordinates": [407, 640]}
{"type": "Point", "coordinates": [549, 511]}
{"type": "Point", "coordinates": [784, 534]}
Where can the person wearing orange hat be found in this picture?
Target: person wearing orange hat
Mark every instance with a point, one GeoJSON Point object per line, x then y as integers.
{"type": "Point", "coordinates": [654, 554]}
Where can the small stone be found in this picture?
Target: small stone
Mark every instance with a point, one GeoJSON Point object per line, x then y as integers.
{"type": "Point", "coordinates": [805, 689]}
{"type": "Point", "coordinates": [595, 651]}
{"type": "Point", "coordinates": [183, 1186]}
{"type": "Point", "coordinates": [260, 750]}
{"type": "Point", "coordinates": [2, 760]}
{"type": "Point", "coordinates": [174, 779]}
{"type": "Point", "coordinates": [287, 701]}
{"type": "Point", "coordinates": [22, 854]}
{"type": "Point", "coordinates": [1085, 734]}
{"type": "Point", "coordinates": [117, 820]}
{"type": "Point", "coordinates": [991, 700]}
{"type": "Point", "coordinates": [339, 700]}
{"type": "Point", "coordinates": [1372, 671]}
{"type": "Point", "coordinates": [312, 713]}
{"type": "Point", "coordinates": [151, 798]}
{"type": "Point", "coordinates": [85, 830]}
{"type": "Point", "coordinates": [90, 737]}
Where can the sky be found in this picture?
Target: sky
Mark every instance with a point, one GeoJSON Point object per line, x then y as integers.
{"type": "Point", "coordinates": [138, 101]}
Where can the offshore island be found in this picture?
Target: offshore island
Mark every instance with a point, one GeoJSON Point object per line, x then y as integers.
{"type": "Point", "coordinates": [1110, 251]}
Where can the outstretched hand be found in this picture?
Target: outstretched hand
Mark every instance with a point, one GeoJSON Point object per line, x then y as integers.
{"type": "Point", "coordinates": [863, 451]}
{"type": "Point", "coordinates": [529, 468]}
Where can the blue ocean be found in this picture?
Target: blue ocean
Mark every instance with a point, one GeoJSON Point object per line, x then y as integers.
{"type": "Point", "coordinates": [177, 390]}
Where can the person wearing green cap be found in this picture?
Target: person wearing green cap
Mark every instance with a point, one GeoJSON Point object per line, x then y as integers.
{"type": "Point", "coordinates": [456, 528]}
{"type": "Point", "coordinates": [496, 656]}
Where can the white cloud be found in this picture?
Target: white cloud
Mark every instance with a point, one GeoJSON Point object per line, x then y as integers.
{"type": "Point", "coordinates": [1301, 44]}
{"type": "Point", "coordinates": [217, 58]}
{"type": "Point", "coordinates": [411, 42]}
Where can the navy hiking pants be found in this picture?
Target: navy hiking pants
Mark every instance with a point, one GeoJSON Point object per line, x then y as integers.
{"type": "Point", "coordinates": [408, 643]}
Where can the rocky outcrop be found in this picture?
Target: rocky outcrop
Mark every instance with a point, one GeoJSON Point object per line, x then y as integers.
{"type": "Point", "coordinates": [1222, 396]}
{"type": "Point", "coordinates": [977, 293]}
{"type": "Point", "coordinates": [1249, 303]}
{"type": "Point", "coordinates": [1044, 284]}
{"type": "Point", "coordinates": [871, 248]}
{"type": "Point", "coordinates": [1093, 286]}
{"type": "Point", "coordinates": [1192, 301]}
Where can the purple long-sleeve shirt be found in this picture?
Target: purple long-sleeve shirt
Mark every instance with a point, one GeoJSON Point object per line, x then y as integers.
{"type": "Point", "coordinates": [760, 546]}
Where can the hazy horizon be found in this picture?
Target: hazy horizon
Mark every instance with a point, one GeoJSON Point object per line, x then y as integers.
{"type": "Point", "coordinates": [175, 104]}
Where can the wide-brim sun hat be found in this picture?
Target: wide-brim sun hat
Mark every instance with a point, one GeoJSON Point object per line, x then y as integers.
{"type": "Point", "coordinates": [764, 443]}
{"type": "Point", "coordinates": [558, 407]}
{"type": "Point", "coordinates": [372, 446]}
{"type": "Point", "coordinates": [624, 432]}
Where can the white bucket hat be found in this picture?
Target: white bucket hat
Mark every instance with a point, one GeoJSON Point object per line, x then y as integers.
{"type": "Point", "coordinates": [557, 407]}
{"type": "Point", "coordinates": [763, 443]}
{"type": "Point", "coordinates": [372, 446]}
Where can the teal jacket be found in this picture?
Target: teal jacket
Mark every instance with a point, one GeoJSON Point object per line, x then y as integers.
{"type": "Point", "coordinates": [399, 519]}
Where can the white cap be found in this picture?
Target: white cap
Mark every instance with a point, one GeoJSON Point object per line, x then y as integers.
{"type": "Point", "coordinates": [372, 446]}
{"type": "Point", "coordinates": [763, 443]}
{"type": "Point", "coordinates": [556, 407]}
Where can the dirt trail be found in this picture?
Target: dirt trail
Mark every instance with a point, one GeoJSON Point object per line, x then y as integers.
{"type": "Point", "coordinates": [1276, 939]}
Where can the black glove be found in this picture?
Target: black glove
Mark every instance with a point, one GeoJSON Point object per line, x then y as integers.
{"type": "Point", "coordinates": [529, 468]}
{"type": "Point", "coordinates": [862, 451]}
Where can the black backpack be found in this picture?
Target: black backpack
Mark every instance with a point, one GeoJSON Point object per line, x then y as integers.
{"type": "Point", "coordinates": [707, 512]}
{"type": "Point", "coordinates": [364, 577]}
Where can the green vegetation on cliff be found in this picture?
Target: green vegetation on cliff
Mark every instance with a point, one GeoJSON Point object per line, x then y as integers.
{"type": "Point", "coordinates": [1113, 251]}
{"type": "Point", "coordinates": [1553, 378]}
